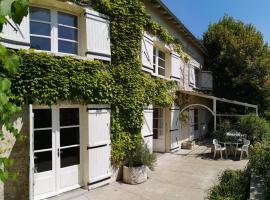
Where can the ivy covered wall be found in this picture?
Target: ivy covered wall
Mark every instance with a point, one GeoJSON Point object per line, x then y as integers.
{"type": "Point", "coordinates": [47, 79]}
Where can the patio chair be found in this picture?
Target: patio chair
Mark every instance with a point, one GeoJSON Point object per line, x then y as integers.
{"type": "Point", "coordinates": [218, 149]}
{"type": "Point", "coordinates": [243, 149]}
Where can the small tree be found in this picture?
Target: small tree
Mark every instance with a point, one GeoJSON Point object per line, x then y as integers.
{"type": "Point", "coordinates": [13, 10]}
{"type": "Point", "coordinates": [239, 60]}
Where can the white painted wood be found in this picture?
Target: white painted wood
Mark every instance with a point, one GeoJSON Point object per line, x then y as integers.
{"type": "Point", "coordinates": [177, 64]}
{"type": "Point", "coordinates": [16, 36]}
{"type": "Point", "coordinates": [147, 128]}
{"type": "Point", "coordinates": [175, 128]}
{"type": "Point", "coordinates": [159, 143]}
{"type": "Point", "coordinates": [147, 53]}
{"type": "Point", "coordinates": [98, 144]}
{"type": "Point", "coordinates": [191, 75]}
{"type": "Point", "coordinates": [59, 179]}
{"type": "Point", "coordinates": [97, 35]}
{"type": "Point", "coordinates": [206, 80]}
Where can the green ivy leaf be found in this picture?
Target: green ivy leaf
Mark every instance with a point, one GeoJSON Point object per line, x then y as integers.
{"type": "Point", "coordinates": [19, 9]}
{"type": "Point", "coordinates": [5, 7]}
{"type": "Point", "coordinates": [4, 85]}
{"type": "Point", "coordinates": [11, 62]}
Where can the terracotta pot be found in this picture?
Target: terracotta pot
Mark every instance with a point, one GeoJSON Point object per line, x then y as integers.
{"type": "Point", "coordinates": [134, 175]}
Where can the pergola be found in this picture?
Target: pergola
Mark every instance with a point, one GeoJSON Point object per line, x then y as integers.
{"type": "Point", "coordinates": [214, 110]}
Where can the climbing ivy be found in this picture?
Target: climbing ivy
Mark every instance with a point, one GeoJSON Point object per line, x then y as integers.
{"type": "Point", "coordinates": [46, 79]}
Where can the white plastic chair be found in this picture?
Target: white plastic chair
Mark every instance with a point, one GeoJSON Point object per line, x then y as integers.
{"type": "Point", "coordinates": [243, 149]}
{"type": "Point", "coordinates": [219, 149]}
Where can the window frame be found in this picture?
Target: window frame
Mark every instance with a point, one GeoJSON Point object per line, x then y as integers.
{"type": "Point", "coordinates": [156, 58]}
{"type": "Point", "coordinates": [54, 30]}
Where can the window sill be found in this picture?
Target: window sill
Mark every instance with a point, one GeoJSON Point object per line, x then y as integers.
{"type": "Point", "coordinates": [62, 54]}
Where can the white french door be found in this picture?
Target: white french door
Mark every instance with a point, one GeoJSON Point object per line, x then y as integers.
{"type": "Point", "coordinates": [194, 123]}
{"type": "Point", "coordinates": [159, 129]}
{"type": "Point", "coordinates": [56, 137]}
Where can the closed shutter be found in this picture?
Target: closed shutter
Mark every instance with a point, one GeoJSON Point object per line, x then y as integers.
{"type": "Point", "coordinates": [98, 145]}
{"type": "Point", "coordinates": [147, 53]}
{"type": "Point", "coordinates": [97, 35]}
{"type": "Point", "coordinates": [147, 128]}
{"type": "Point", "coordinates": [16, 36]}
{"type": "Point", "coordinates": [177, 65]}
{"type": "Point", "coordinates": [191, 75]}
{"type": "Point", "coordinates": [175, 128]}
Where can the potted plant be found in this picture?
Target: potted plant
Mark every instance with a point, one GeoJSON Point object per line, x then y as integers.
{"type": "Point", "coordinates": [136, 163]}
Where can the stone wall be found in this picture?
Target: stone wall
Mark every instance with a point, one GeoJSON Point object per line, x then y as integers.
{"type": "Point", "coordinates": [19, 152]}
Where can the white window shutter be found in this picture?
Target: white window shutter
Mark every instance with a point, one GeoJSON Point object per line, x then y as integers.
{"type": "Point", "coordinates": [99, 168]}
{"type": "Point", "coordinates": [147, 53]}
{"type": "Point", "coordinates": [97, 35]}
{"type": "Point", "coordinates": [147, 128]}
{"type": "Point", "coordinates": [177, 65]}
{"type": "Point", "coordinates": [191, 75]}
{"type": "Point", "coordinates": [175, 128]}
{"type": "Point", "coordinates": [16, 36]}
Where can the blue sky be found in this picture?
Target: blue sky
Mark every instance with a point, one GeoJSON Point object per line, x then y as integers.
{"type": "Point", "coordinates": [197, 14]}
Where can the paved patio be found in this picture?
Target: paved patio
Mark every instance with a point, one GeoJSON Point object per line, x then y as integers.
{"type": "Point", "coordinates": [184, 175]}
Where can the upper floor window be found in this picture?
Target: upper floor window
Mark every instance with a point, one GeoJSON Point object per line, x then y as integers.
{"type": "Point", "coordinates": [159, 61]}
{"type": "Point", "coordinates": [54, 31]}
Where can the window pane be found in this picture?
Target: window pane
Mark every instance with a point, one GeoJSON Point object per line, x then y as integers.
{"type": "Point", "coordinates": [155, 133]}
{"type": "Point", "coordinates": [69, 116]}
{"type": "Point", "coordinates": [66, 19]}
{"type": "Point", "coordinates": [161, 54]}
{"type": "Point", "coordinates": [67, 47]}
{"type": "Point", "coordinates": [42, 118]}
{"type": "Point", "coordinates": [67, 33]}
{"type": "Point", "coordinates": [40, 43]}
{"type": "Point", "coordinates": [70, 156]}
{"type": "Point", "coordinates": [161, 71]}
{"type": "Point", "coordinates": [161, 63]}
{"type": "Point", "coordinates": [69, 136]}
{"type": "Point", "coordinates": [42, 139]}
{"type": "Point", "coordinates": [40, 14]}
{"type": "Point", "coordinates": [43, 161]}
{"type": "Point", "coordinates": [40, 28]}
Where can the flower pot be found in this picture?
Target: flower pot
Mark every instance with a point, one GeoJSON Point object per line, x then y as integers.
{"type": "Point", "coordinates": [134, 175]}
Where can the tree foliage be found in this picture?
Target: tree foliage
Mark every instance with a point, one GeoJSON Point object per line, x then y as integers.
{"type": "Point", "coordinates": [13, 10]}
{"type": "Point", "coordinates": [240, 61]}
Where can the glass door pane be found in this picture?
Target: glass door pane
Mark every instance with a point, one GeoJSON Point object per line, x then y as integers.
{"type": "Point", "coordinates": [42, 140]}
{"type": "Point", "coordinates": [69, 137]}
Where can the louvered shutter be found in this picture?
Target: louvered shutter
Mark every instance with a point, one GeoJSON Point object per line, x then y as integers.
{"type": "Point", "coordinates": [97, 35]}
{"type": "Point", "coordinates": [176, 64]}
{"type": "Point", "coordinates": [191, 75]}
{"type": "Point", "coordinates": [175, 128]}
{"type": "Point", "coordinates": [147, 128]}
{"type": "Point", "coordinates": [98, 145]}
{"type": "Point", "coordinates": [16, 36]}
{"type": "Point", "coordinates": [147, 53]}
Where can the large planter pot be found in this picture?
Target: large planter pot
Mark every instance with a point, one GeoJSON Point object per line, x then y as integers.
{"type": "Point", "coordinates": [134, 175]}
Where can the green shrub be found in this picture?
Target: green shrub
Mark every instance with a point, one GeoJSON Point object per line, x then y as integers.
{"type": "Point", "coordinates": [260, 162]}
{"type": "Point", "coordinates": [255, 127]}
{"type": "Point", "coordinates": [233, 185]}
{"type": "Point", "coordinates": [140, 156]}
{"type": "Point", "coordinates": [222, 129]}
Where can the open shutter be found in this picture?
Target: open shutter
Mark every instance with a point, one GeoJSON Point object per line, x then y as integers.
{"type": "Point", "coordinates": [16, 36]}
{"type": "Point", "coordinates": [98, 145]}
{"type": "Point", "coordinates": [177, 64]}
{"type": "Point", "coordinates": [175, 128]}
{"type": "Point", "coordinates": [206, 80]}
{"type": "Point", "coordinates": [147, 128]}
{"type": "Point", "coordinates": [31, 152]}
{"type": "Point", "coordinates": [191, 75]}
{"type": "Point", "coordinates": [97, 35]}
{"type": "Point", "coordinates": [147, 53]}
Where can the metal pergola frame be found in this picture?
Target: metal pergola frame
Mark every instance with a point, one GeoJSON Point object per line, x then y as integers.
{"type": "Point", "coordinates": [214, 110]}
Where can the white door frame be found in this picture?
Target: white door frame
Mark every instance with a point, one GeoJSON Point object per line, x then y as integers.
{"type": "Point", "coordinates": [55, 144]}
{"type": "Point", "coordinates": [160, 141]}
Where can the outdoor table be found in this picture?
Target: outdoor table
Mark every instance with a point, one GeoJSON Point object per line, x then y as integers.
{"type": "Point", "coordinates": [233, 146]}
